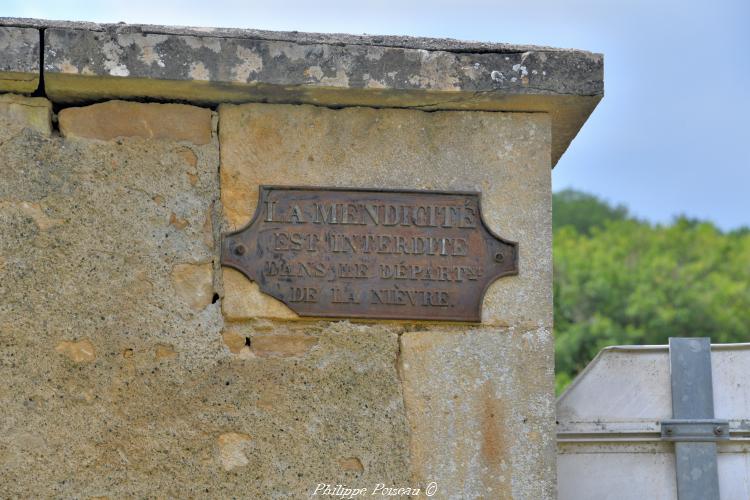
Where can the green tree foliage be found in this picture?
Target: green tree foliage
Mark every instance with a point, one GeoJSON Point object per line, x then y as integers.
{"type": "Point", "coordinates": [618, 280]}
{"type": "Point", "coordinates": [583, 211]}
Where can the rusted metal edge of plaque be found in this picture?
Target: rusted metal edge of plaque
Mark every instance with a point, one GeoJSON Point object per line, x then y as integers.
{"type": "Point", "coordinates": [367, 253]}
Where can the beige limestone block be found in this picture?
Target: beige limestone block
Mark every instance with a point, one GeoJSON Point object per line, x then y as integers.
{"type": "Point", "coordinates": [505, 156]}
{"type": "Point", "coordinates": [86, 256]}
{"type": "Point", "coordinates": [17, 112]}
{"type": "Point", "coordinates": [194, 284]}
{"type": "Point", "coordinates": [246, 342]}
{"type": "Point", "coordinates": [112, 119]}
{"type": "Point", "coordinates": [243, 299]}
{"type": "Point", "coordinates": [481, 411]}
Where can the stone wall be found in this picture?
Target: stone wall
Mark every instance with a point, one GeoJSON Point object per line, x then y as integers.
{"type": "Point", "coordinates": [135, 366]}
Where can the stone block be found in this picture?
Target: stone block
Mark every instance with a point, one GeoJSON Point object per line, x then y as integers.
{"type": "Point", "coordinates": [85, 61]}
{"type": "Point", "coordinates": [113, 119]}
{"type": "Point", "coordinates": [248, 342]}
{"type": "Point", "coordinates": [19, 112]}
{"type": "Point", "coordinates": [308, 403]}
{"type": "Point", "coordinates": [506, 156]}
{"type": "Point", "coordinates": [107, 370]}
{"type": "Point", "coordinates": [244, 300]}
{"type": "Point", "coordinates": [19, 59]}
{"type": "Point", "coordinates": [481, 412]}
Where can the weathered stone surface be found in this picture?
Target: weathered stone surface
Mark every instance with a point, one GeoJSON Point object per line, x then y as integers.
{"type": "Point", "coordinates": [112, 119]}
{"type": "Point", "coordinates": [194, 283]}
{"type": "Point", "coordinates": [333, 394]}
{"type": "Point", "coordinates": [33, 211]}
{"type": "Point", "coordinates": [232, 449]}
{"type": "Point", "coordinates": [127, 52]}
{"type": "Point", "coordinates": [85, 62]}
{"type": "Point", "coordinates": [236, 341]}
{"type": "Point", "coordinates": [125, 374]}
{"type": "Point", "coordinates": [503, 155]}
{"type": "Point", "coordinates": [164, 351]}
{"type": "Point", "coordinates": [105, 368]}
{"type": "Point", "coordinates": [19, 112]}
{"type": "Point", "coordinates": [81, 351]}
{"type": "Point", "coordinates": [120, 379]}
{"type": "Point", "coordinates": [353, 464]}
{"type": "Point", "coordinates": [408, 42]}
{"type": "Point", "coordinates": [19, 59]}
{"type": "Point", "coordinates": [284, 344]}
{"type": "Point", "coordinates": [481, 411]}
{"type": "Point", "coordinates": [243, 299]}
{"type": "Point", "coordinates": [479, 401]}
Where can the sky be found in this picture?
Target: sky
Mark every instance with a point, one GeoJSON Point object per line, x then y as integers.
{"type": "Point", "coordinates": [670, 136]}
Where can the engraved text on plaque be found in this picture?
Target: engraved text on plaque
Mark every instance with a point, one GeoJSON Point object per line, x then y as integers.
{"type": "Point", "coordinates": [361, 253]}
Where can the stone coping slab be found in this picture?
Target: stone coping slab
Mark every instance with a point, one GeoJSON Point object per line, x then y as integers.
{"type": "Point", "coordinates": [409, 42]}
{"type": "Point", "coordinates": [19, 59]}
{"type": "Point", "coordinates": [86, 62]}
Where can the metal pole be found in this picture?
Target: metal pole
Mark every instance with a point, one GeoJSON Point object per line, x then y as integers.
{"type": "Point", "coordinates": [693, 399]}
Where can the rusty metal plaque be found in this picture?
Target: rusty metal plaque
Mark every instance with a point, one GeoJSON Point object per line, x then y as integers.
{"type": "Point", "coordinates": [362, 253]}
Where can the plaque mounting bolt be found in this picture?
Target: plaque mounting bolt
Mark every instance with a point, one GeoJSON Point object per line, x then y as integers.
{"type": "Point", "coordinates": [499, 257]}
{"type": "Point", "coordinates": [239, 250]}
